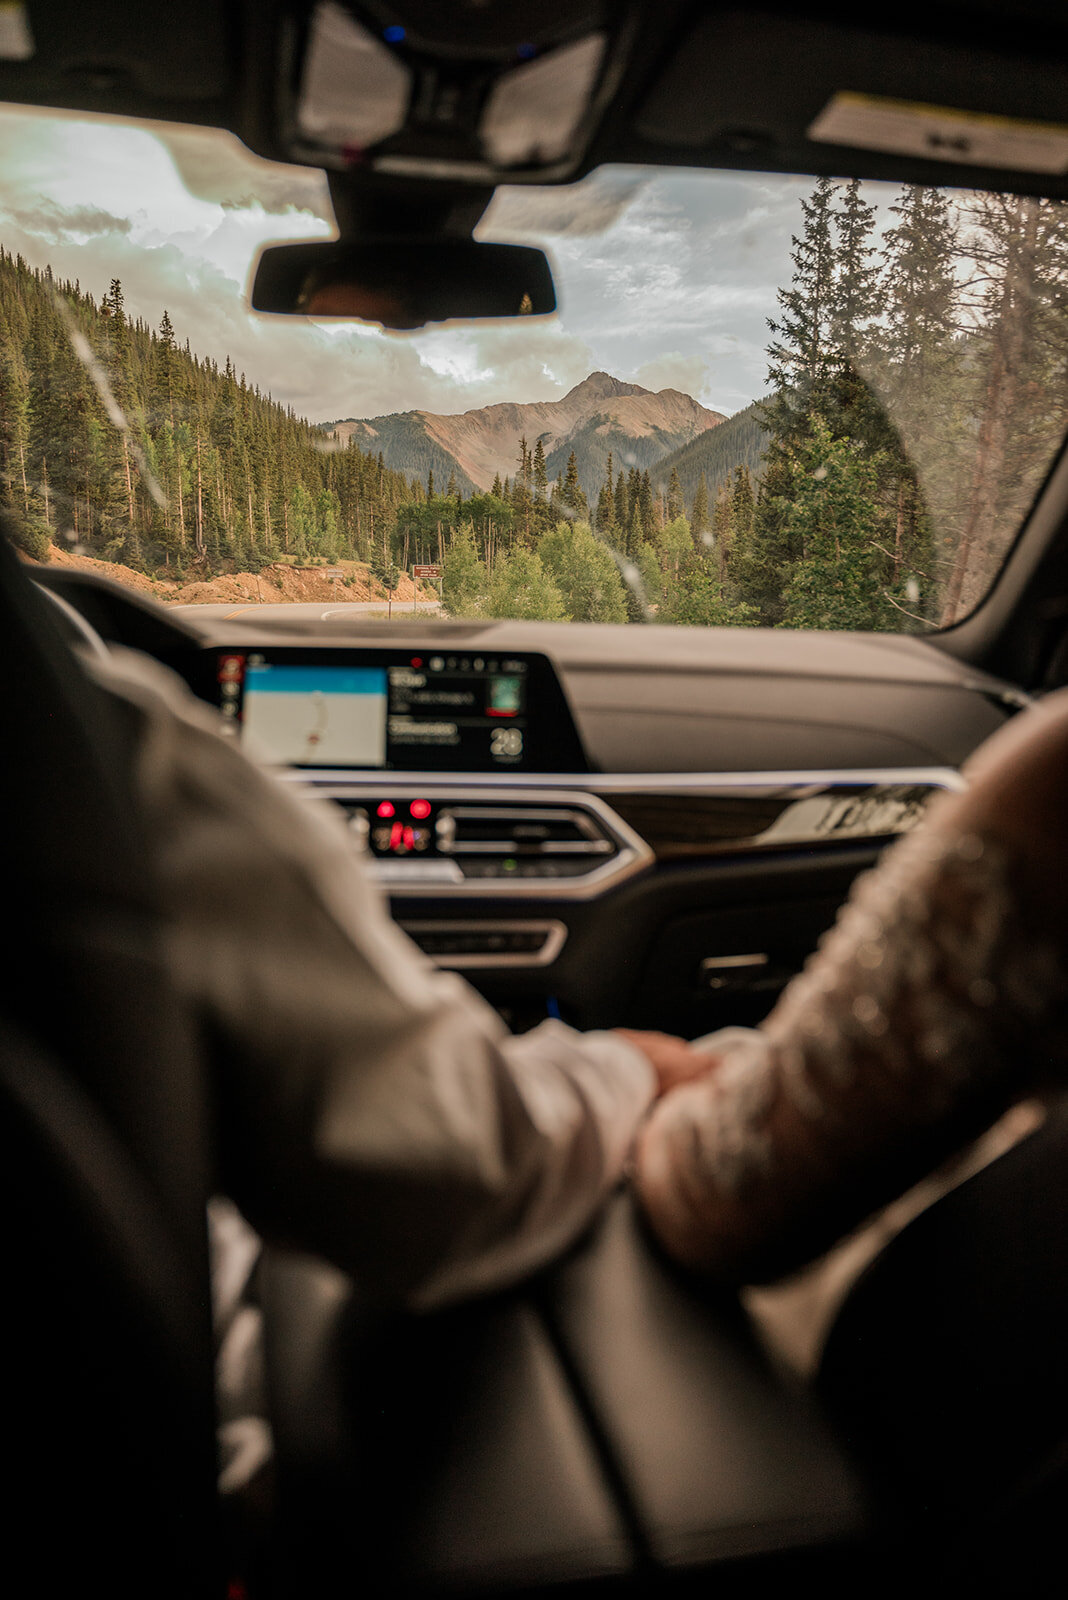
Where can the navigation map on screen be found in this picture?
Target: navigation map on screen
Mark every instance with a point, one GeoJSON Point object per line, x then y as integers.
{"type": "Point", "coordinates": [319, 716]}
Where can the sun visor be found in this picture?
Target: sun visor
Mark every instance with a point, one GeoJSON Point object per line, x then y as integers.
{"type": "Point", "coordinates": [768, 91]}
{"type": "Point", "coordinates": [133, 60]}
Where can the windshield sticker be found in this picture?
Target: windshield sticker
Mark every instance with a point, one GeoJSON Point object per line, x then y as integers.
{"type": "Point", "coordinates": [902, 127]}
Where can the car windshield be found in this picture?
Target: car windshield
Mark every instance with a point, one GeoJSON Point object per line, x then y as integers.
{"type": "Point", "coordinates": [764, 401]}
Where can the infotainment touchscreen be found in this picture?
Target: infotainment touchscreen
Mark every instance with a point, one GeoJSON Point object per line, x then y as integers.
{"type": "Point", "coordinates": [317, 716]}
{"type": "Point", "coordinates": [392, 710]}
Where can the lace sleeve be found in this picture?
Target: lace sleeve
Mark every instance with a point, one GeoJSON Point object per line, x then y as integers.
{"type": "Point", "coordinates": [929, 1008]}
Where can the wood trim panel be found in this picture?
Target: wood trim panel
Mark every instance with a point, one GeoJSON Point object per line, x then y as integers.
{"type": "Point", "coordinates": [691, 827]}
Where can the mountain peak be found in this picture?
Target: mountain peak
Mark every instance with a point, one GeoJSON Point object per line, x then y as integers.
{"type": "Point", "coordinates": [602, 386]}
{"type": "Point", "coordinates": [601, 416]}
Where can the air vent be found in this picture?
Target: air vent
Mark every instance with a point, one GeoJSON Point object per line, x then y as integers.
{"type": "Point", "coordinates": [488, 943]}
{"type": "Point", "coordinates": [521, 832]}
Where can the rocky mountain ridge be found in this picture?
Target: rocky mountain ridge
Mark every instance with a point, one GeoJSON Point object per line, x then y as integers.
{"type": "Point", "coordinates": [601, 414]}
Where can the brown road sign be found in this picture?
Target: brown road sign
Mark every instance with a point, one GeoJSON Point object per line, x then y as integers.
{"type": "Point", "coordinates": [426, 572]}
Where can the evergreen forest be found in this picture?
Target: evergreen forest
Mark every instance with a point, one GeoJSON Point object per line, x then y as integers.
{"type": "Point", "coordinates": [917, 394]}
{"type": "Point", "coordinates": [121, 443]}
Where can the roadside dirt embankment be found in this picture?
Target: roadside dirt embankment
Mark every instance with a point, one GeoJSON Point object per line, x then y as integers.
{"type": "Point", "coordinates": [275, 585]}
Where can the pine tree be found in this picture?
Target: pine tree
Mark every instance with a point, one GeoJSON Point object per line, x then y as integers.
{"type": "Point", "coordinates": [920, 292]}
{"type": "Point", "coordinates": [699, 522]}
{"type": "Point", "coordinates": [574, 500]}
{"type": "Point", "coordinates": [622, 511]}
{"type": "Point", "coordinates": [856, 303]}
{"type": "Point", "coordinates": [761, 566]}
{"type": "Point", "coordinates": [1021, 249]}
{"type": "Point", "coordinates": [541, 477]}
{"type": "Point", "coordinates": [917, 368]}
{"type": "Point", "coordinates": [119, 470]}
{"type": "Point", "coordinates": [729, 552]}
{"type": "Point", "coordinates": [522, 498]}
{"type": "Point", "coordinates": [166, 376]}
{"type": "Point", "coordinates": [854, 297]}
{"type": "Point", "coordinates": [800, 363]}
{"type": "Point", "coordinates": [674, 506]}
{"type": "Point", "coordinates": [605, 518]}
{"type": "Point", "coordinates": [743, 503]}
{"type": "Point", "coordinates": [840, 580]}
{"type": "Point", "coordinates": [14, 423]}
{"type": "Point", "coordinates": [816, 391]}
{"type": "Point", "coordinates": [646, 509]}
{"type": "Point", "coordinates": [543, 516]}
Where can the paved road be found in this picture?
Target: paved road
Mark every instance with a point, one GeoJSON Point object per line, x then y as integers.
{"type": "Point", "coordinates": [401, 608]}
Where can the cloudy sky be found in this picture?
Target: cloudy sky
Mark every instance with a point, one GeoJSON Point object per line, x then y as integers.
{"type": "Point", "coordinates": [663, 279]}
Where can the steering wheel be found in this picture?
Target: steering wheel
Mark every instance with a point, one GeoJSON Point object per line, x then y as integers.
{"type": "Point", "coordinates": [76, 630]}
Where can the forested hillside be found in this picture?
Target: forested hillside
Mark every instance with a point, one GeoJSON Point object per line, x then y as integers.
{"type": "Point", "coordinates": [410, 449]}
{"type": "Point", "coordinates": [115, 438]}
{"type": "Point", "coordinates": [599, 438]}
{"type": "Point", "coordinates": [741, 441]}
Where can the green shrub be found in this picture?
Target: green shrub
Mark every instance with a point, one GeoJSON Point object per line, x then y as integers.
{"type": "Point", "coordinates": [32, 536]}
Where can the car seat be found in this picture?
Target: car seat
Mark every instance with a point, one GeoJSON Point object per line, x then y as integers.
{"type": "Point", "coordinates": [946, 1372]}
{"type": "Point", "coordinates": [104, 1161]}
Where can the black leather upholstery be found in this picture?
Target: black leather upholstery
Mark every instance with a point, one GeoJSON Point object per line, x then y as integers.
{"type": "Point", "coordinates": [946, 1367]}
{"type": "Point", "coordinates": [608, 1423]}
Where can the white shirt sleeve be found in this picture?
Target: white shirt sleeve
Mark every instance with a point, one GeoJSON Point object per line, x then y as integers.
{"type": "Point", "coordinates": [371, 1108]}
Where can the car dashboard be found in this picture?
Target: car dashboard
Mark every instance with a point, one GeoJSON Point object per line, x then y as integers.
{"type": "Point", "coordinates": [647, 826]}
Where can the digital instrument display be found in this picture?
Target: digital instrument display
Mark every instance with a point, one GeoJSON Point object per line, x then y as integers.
{"type": "Point", "coordinates": [392, 710]}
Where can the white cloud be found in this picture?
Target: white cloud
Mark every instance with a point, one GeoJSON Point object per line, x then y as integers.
{"type": "Point", "coordinates": [674, 371]}
{"type": "Point", "coordinates": [528, 360]}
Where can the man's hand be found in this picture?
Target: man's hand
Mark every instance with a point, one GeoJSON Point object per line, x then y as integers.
{"type": "Point", "coordinates": [673, 1060]}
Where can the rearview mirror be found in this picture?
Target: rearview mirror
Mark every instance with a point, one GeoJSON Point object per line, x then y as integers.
{"type": "Point", "coordinates": [404, 282]}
